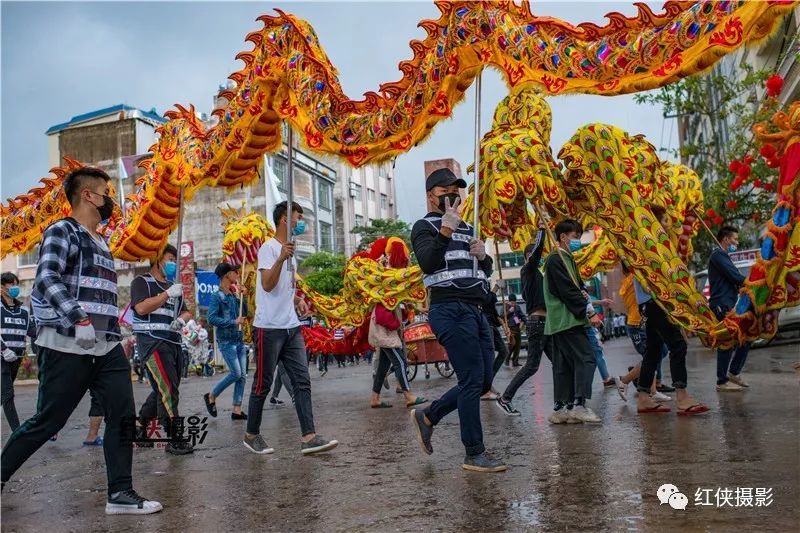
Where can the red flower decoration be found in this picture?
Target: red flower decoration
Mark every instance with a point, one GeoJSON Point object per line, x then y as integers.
{"type": "Point", "coordinates": [744, 172]}
{"type": "Point", "coordinates": [757, 182]}
{"type": "Point", "coordinates": [710, 213]}
{"type": "Point", "coordinates": [748, 159]}
{"type": "Point", "coordinates": [731, 204]}
{"type": "Point", "coordinates": [718, 220]}
{"type": "Point", "coordinates": [768, 151]}
{"type": "Point", "coordinates": [735, 184]}
{"type": "Point", "coordinates": [774, 85]}
{"type": "Point", "coordinates": [734, 166]}
{"type": "Point", "coordinates": [768, 187]}
{"type": "Point", "coordinates": [773, 162]}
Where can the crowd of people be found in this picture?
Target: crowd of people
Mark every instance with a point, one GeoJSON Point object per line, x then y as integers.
{"type": "Point", "coordinates": [74, 324]}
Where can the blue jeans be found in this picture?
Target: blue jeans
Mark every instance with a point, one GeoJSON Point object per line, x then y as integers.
{"type": "Point", "coordinates": [236, 359]}
{"type": "Point", "coordinates": [731, 361]}
{"type": "Point", "coordinates": [599, 359]}
{"type": "Point", "coordinates": [466, 336]}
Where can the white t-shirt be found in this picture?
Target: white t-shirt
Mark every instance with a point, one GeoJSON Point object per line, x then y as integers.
{"type": "Point", "coordinates": [275, 309]}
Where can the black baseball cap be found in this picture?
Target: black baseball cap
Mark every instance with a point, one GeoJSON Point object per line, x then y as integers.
{"type": "Point", "coordinates": [224, 268]}
{"type": "Point", "coordinates": [443, 177]}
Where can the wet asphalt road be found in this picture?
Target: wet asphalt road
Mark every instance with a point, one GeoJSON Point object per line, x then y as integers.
{"type": "Point", "coordinates": [569, 477]}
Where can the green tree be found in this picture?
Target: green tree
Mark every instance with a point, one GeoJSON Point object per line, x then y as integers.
{"type": "Point", "coordinates": [324, 272]}
{"type": "Point", "coordinates": [381, 227]}
{"type": "Point", "coordinates": [729, 108]}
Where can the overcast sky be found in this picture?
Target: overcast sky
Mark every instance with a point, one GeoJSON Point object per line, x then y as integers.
{"type": "Point", "coordinates": [63, 59]}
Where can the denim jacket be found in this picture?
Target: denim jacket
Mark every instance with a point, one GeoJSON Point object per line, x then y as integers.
{"type": "Point", "coordinates": [222, 313]}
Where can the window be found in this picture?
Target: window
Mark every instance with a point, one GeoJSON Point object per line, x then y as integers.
{"type": "Point", "coordinates": [515, 259]}
{"type": "Point", "coordinates": [359, 220]}
{"type": "Point", "coordinates": [371, 195]}
{"type": "Point", "coordinates": [279, 166]}
{"type": "Point", "coordinates": [325, 237]}
{"type": "Point", "coordinates": [28, 259]}
{"type": "Point", "coordinates": [356, 189]}
{"type": "Point", "coordinates": [324, 194]}
{"type": "Point", "coordinates": [513, 286]}
{"type": "Point", "coordinates": [384, 201]}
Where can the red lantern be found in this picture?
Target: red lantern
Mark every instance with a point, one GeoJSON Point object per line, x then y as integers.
{"type": "Point", "coordinates": [767, 151]}
{"type": "Point", "coordinates": [731, 204]}
{"type": "Point", "coordinates": [774, 85]}
{"type": "Point", "coordinates": [734, 166]}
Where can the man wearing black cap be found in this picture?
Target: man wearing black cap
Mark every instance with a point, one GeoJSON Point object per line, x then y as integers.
{"type": "Point", "coordinates": [446, 247]}
{"type": "Point", "coordinates": [159, 314]}
{"type": "Point", "coordinates": [223, 312]}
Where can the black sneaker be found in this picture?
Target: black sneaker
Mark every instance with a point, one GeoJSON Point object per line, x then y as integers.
{"type": "Point", "coordinates": [238, 416]}
{"type": "Point", "coordinates": [179, 448]}
{"type": "Point", "coordinates": [129, 502]}
{"type": "Point", "coordinates": [424, 431]}
{"type": "Point", "coordinates": [665, 388]}
{"type": "Point", "coordinates": [483, 463]}
{"type": "Point", "coordinates": [317, 445]}
{"type": "Point", "coordinates": [275, 401]}
{"type": "Point", "coordinates": [210, 407]}
{"type": "Point", "coordinates": [257, 445]}
{"type": "Point", "coordinates": [507, 407]}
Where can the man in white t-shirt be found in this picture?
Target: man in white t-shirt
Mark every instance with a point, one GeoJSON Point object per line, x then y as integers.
{"type": "Point", "coordinates": [277, 336]}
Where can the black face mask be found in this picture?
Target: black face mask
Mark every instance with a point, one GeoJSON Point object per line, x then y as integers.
{"type": "Point", "coordinates": [107, 208]}
{"type": "Point", "coordinates": [451, 196]}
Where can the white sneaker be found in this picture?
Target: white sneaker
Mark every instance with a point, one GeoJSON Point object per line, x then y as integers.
{"type": "Point", "coordinates": [729, 386]}
{"type": "Point", "coordinates": [129, 502]}
{"type": "Point", "coordinates": [622, 389]}
{"type": "Point", "coordinates": [573, 418]}
{"type": "Point", "coordinates": [584, 414]}
{"type": "Point", "coordinates": [559, 417]}
{"type": "Point", "coordinates": [738, 380]}
{"type": "Point", "coordinates": [660, 397]}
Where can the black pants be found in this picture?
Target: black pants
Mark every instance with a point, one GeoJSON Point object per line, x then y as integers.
{"type": "Point", "coordinates": [9, 374]}
{"type": "Point", "coordinates": [536, 345]}
{"type": "Point", "coordinates": [660, 330]}
{"type": "Point", "coordinates": [64, 379]}
{"type": "Point", "coordinates": [390, 357]}
{"type": "Point", "coordinates": [514, 344]}
{"type": "Point", "coordinates": [501, 349]}
{"type": "Point", "coordinates": [288, 347]}
{"type": "Point", "coordinates": [164, 372]}
{"type": "Point", "coordinates": [574, 364]}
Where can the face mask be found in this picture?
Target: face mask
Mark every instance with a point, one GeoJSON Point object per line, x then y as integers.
{"type": "Point", "coordinates": [451, 196]}
{"type": "Point", "coordinates": [106, 209]}
{"type": "Point", "coordinates": [300, 228]}
{"type": "Point", "coordinates": [732, 248]}
{"type": "Point", "coordinates": [13, 292]}
{"type": "Point", "coordinates": [575, 245]}
{"type": "Point", "coordinates": [170, 269]}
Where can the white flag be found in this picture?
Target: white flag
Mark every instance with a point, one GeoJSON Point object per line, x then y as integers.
{"type": "Point", "coordinates": [271, 192]}
{"type": "Point", "coordinates": [123, 174]}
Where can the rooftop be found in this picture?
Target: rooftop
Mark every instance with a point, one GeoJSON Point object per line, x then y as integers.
{"type": "Point", "coordinates": [135, 112]}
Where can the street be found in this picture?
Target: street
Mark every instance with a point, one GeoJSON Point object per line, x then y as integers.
{"type": "Point", "coordinates": [567, 477]}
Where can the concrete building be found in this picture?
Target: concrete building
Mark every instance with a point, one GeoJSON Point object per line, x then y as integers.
{"type": "Point", "coordinates": [779, 54]}
{"type": "Point", "coordinates": [361, 196]}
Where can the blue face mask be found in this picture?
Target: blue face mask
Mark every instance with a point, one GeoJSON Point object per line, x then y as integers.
{"type": "Point", "coordinates": [300, 228]}
{"type": "Point", "coordinates": [575, 245]}
{"type": "Point", "coordinates": [13, 291]}
{"type": "Point", "coordinates": [170, 269]}
{"type": "Point", "coordinates": [732, 248]}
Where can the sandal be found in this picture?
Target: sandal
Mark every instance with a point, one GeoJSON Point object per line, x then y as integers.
{"type": "Point", "coordinates": [96, 442]}
{"type": "Point", "coordinates": [657, 409]}
{"type": "Point", "coordinates": [692, 410]}
{"type": "Point", "coordinates": [211, 407]}
{"type": "Point", "coordinates": [420, 400]}
{"type": "Point", "coordinates": [382, 405]}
